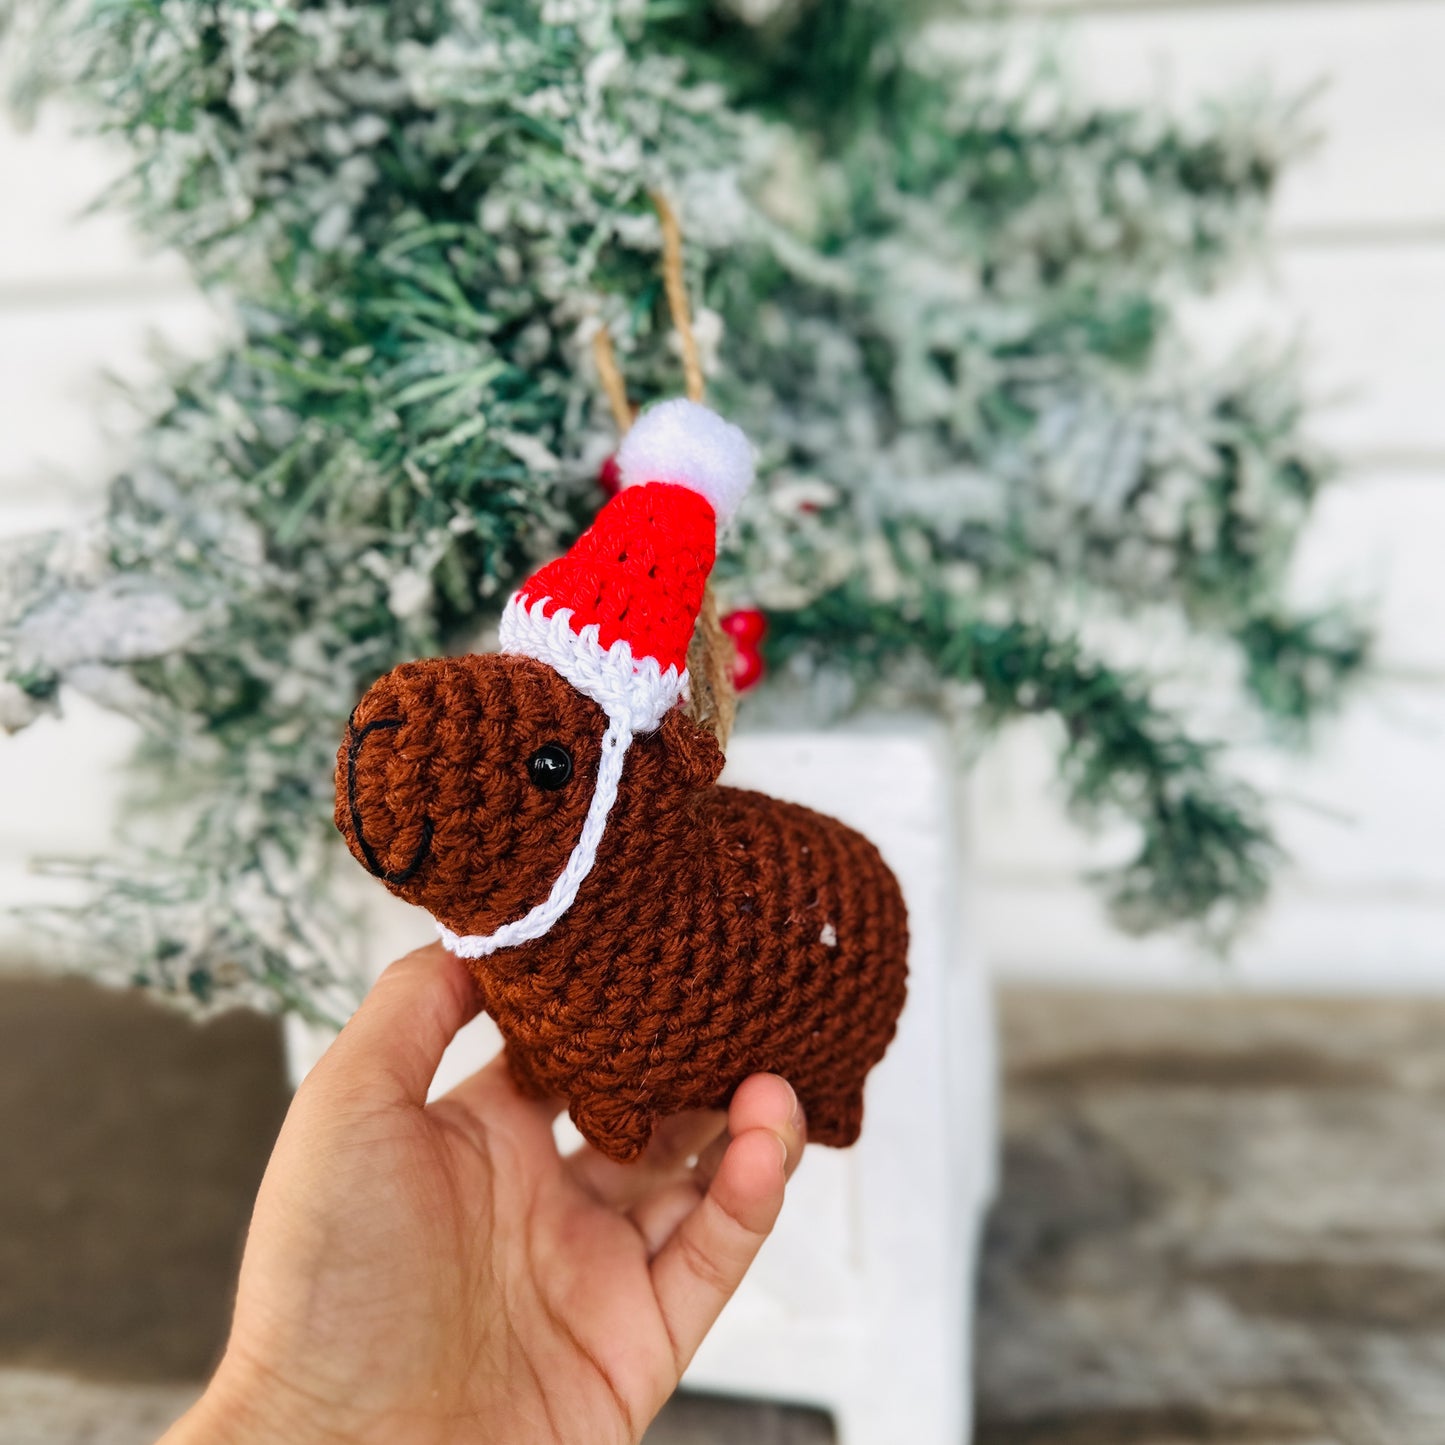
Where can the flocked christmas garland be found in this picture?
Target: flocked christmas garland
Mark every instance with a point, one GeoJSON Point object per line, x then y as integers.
{"type": "Point", "coordinates": [945, 303]}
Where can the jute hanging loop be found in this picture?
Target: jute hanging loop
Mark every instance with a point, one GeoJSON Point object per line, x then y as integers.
{"type": "Point", "coordinates": [675, 285]}
{"type": "Point", "coordinates": [610, 374]}
{"type": "Point", "coordinates": [710, 658]}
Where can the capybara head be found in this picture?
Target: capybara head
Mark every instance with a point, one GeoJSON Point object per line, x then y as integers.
{"type": "Point", "coordinates": [462, 783]}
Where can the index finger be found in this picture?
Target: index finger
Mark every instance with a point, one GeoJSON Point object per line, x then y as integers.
{"type": "Point", "coordinates": [703, 1259]}
{"type": "Point", "coordinates": [389, 1050]}
{"type": "Point", "coordinates": [676, 1143]}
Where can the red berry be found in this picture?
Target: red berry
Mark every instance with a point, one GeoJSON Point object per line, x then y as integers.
{"type": "Point", "coordinates": [746, 626]}
{"type": "Point", "coordinates": [747, 667]}
{"type": "Point", "coordinates": [609, 477]}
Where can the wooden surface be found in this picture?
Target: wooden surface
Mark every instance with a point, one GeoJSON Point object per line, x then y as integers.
{"type": "Point", "coordinates": [1222, 1220]}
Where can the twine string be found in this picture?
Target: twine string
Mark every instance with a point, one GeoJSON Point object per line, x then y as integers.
{"type": "Point", "coordinates": [713, 703]}
{"type": "Point", "coordinates": [710, 657]}
{"type": "Point", "coordinates": [710, 668]}
{"type": "Point", "coordinates": [604, 357]}
{"type": "Point", "coordinates": [675, 283]}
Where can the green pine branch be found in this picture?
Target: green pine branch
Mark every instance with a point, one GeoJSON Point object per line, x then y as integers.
{"type": "Point", "coordinates": [942, 306]}
{"type": "Point", "coordinates": [1205, 850]}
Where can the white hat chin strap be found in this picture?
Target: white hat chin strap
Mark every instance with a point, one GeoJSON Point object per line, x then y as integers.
{"type": "Point", "coordinates": [539, 920]}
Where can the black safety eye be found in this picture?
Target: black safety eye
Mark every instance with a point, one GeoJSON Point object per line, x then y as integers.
{"type": "Point", "coordinates": [550, 767]}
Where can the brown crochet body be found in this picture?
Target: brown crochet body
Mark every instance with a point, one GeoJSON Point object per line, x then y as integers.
{"type": "Point", "coordinates": [720, 932]}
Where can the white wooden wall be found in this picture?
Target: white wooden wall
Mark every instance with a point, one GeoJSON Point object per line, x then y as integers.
{"type": "Point", "coordinates": [81, 304]}
{"type": "Point", "coordinates": [1358, 275]}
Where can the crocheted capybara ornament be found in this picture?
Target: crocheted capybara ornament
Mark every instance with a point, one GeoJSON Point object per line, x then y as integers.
{"type": "Point", "coordinates": [643, 937]}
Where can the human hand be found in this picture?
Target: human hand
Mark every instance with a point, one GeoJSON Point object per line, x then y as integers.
{"type": "Point", "coordinates": [439, 1272]}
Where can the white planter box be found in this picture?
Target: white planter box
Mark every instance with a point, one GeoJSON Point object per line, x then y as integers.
{"type": "Point", "coordinates": [862, 1300]}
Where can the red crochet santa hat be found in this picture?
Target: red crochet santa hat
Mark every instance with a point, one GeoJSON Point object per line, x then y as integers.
{"type": "Point", "coordinates": [616, 614]}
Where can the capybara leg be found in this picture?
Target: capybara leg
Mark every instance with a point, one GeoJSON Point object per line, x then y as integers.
{"type": "Point", "coordinates": [524, 1075]}
{"type": "Point", "coordinates": [616, 1127]}
{"type": "Point", "coordinates": [836, 1120]}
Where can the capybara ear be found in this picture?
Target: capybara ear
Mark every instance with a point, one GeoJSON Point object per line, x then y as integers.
{"type": "Point", "coordinates": [694, 758]}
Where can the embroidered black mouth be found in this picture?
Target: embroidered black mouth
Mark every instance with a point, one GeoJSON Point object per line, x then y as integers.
{"type": "Point", "coordinates": [368, 856]}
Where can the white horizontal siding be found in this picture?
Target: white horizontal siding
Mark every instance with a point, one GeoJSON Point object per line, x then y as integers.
{"type": "Point", "coordinates": [58, 799]}
{"type": "Point", "coordinates": [67, 371]}
{"type": "Point", "coordinates": [1312, 939]}
{"type": "Point", "coordinates": [1363, 810]}
{"type": "Point", "coordinates": [52, 242]}
{"type": "Point", "coordinates": [1375, 64]}
{"type": "Point", "coordinates": [1357, 280]}
{"type": "Point", "coordinates": [87, 314]}
{"type": "Point", "coordinates": [56, 781]}
{"type": "Point", "coordinates": [1368, 320]}
{"type": "Point", "coordinates": [1378, 539]}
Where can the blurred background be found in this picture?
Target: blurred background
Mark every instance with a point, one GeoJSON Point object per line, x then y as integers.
{"type": "Point", "coordinates": [1161, 1106]}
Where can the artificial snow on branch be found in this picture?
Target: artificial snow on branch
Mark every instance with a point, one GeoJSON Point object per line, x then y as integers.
{"type": "Point", "coordinates": [940, 300]}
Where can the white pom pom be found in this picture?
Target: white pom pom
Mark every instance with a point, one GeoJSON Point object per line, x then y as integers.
{"type": "Point", "coordinates": [682, 442]}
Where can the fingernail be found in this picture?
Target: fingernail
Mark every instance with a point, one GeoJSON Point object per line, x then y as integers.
{"type": "Point", "coordinates": [782, 1151]}
{"type": "Point", "coordinates": [796, 1118]}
